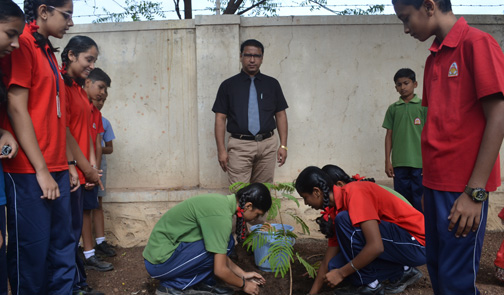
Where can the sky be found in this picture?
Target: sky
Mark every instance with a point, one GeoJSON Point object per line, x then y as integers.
{"type": "Point", "coordinates": [85, 13]}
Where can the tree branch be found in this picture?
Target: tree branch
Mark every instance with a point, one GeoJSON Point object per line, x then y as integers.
{"type": "Point", "coordinates": [251, 7]}
{"type": "Point", "coordinates": [232, 6]}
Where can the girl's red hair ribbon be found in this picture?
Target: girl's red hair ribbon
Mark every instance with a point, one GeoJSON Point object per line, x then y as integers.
{"type": "Point", "coordinates": [63, 68]}
{"type": "Point", "coordinates": [33, 26]}
{"type": "Point", "coordinates": [357, 177]}
{"type": "Point", "coordinates": [239, 211]}
{"type": "Point", "coordinates": [328, 211]}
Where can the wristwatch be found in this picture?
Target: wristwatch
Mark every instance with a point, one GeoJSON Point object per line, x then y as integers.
{"type": "Point", "coordinates": [73, 162]}
{"type": "Point", "coordinates": [477, 194]}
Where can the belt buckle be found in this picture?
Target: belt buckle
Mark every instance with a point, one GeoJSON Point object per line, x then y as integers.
{"type": "Point", "coordinates": [258, 137]}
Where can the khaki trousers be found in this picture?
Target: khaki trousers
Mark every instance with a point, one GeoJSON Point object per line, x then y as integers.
{"type": "Point", "coordinates": [252, 161]}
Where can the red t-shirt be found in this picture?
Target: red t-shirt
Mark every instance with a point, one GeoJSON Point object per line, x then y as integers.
{"type": "Point", "coordinates": [79, 120]}
{"type": "Point", "coordinates": [96, 123]}
{"type": "Point", "coordinates": [467, 66]}
{"type": "Point", "coordinates": [31, 69]}
{"type": "Point", "coordinates": [366, 200]}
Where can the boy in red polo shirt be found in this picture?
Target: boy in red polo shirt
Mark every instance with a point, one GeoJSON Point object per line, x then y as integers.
{"type": "Point", "coordinates": [96, 87]}
{"type": "Point", "coordinates": [463, 89]}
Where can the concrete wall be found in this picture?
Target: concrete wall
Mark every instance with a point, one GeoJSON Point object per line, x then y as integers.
{"type": "Point", "coordinates": [336, 73]}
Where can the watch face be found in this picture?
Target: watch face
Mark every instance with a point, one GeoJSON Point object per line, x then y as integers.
{"type": "Point", "coordinates": [480, 195]}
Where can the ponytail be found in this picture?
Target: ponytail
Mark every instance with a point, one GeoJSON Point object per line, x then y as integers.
{"type": "Point", "coordinates": [307, 180]}
{"type": "Point", "coordinates": [337, 174]}
{"type": "Point", "coordinates": [260, 197]}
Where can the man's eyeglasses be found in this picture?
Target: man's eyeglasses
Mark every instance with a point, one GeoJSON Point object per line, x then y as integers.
{"type": "Point", "coordinates": [248, 55]}
{"type": "Point", "coordinates": [66, 15]}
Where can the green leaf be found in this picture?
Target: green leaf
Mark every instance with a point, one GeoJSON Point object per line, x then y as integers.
{"type": "Point", "coordinates": [291, 197]}
{"type": "Point", "coordinates": [304, 226]}
{"type": "Point", "coordinates": [312, 272]}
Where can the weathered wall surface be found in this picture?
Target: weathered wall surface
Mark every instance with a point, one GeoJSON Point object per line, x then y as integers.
{"type": "Point", "coordinates": [336, 73]}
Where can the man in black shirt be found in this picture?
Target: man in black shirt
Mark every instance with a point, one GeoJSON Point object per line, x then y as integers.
{"type": "Point", "coordinates": [252, 147]}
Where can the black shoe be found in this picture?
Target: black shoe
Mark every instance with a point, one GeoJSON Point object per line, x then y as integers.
{"type": "Point", "coordinates": [220, 290]}
{"type": "Point", "coordinates": [162, 290]}
{"type": "Point", "coordinates": [361, 290]}
{"type": "Point", "coordinates": [105, 249]}
{"type": "Point", "coordinates": [409, 277]}
{"type": "Point", "coordinates": [86, 290]}
{"type": "Point", "coordinates": [94, 263]}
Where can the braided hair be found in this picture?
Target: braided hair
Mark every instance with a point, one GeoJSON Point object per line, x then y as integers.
{"type": "Point", "coordinates": [256, 193]}
{"type": "Point", "coordinates": [77, 44]}
{"type": "Point", "coordinates": [9, 11]}
{"type": "Point", "coordinates": [31, 14]}
{"type": "Point", "coordinates": [310, 178]}
{"type": "Point", "coordinates": [338, 174]}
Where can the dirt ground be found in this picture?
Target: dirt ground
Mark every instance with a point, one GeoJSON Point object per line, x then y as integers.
{"type": "Point", "coordinates": [130, 276]}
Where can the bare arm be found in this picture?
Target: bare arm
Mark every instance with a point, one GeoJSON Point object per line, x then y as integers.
{"type": "Point", "coordinates": [98, 150]}
{"type": "Point", "coordinates": [389, 170]}
{"type": "Point", "coordinates": [72, 170]}
{"type": "Point", "coordinates": [108, 148]}
{"type": "Point", "coordinates": [323, 269]}
{"type": "Point", "coordinates": [465, 210]}
{"type": "Point", "coordinates": [220, 135]}
{"type": "Point", "coordinates": [22, 124]}
{"type": "Point", "coordinates": [90, 174]}
{"type": "Point", "coordinates": [224, 272]}
{"type": "Point", "coordinates": [282, 126]}
{"type": "Point", "coordinates": [372, 249]}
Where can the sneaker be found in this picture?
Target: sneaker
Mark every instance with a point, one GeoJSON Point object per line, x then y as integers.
{"type": "Point", "coordinates": [94, 263]}
{"type": "Point", "coordinates": [162, 290]}
{"type": "Point", "coordinates": [499, 273]}
{"type": "Point", "coordinates": [86, 290]}
{"type": "Point", "coordinates": [105, 249]}
{"type": "Point", "coordinates": [361, 290]}
{"type": "Point", "coordinates": [409, 277]}
{"type": "Point", "coordinates": [202, 288]}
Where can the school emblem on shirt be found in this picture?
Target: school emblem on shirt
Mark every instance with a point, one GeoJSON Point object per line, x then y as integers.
{"type": "Point", "coordinates": [418, 121]}
{"type": "Point", "coordinates": [94, 125]}
{"type": "Point", "coordinates": [453, 72]}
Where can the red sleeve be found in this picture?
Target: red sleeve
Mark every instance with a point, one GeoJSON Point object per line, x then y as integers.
{"type": "Point", "coordinates": [68, 108]}
{"type": "Point", "coordinates": [488, 66]}
{"type": "Point", "coordinates": [501, 214]}
{"type": "Point", "coordinates": [23, 59]}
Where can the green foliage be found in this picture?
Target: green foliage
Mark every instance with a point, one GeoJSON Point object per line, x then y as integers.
{"type": "Point", "coordinates": [136, 10]}
{"type": "Point", "coordinates": [375, 9]}
{"type": "Point", "coordinates": [248, 7]}
{"type": "Point", "coordinates": [281, 252]}
{"type": "Point", "coordinates": [312, 270]}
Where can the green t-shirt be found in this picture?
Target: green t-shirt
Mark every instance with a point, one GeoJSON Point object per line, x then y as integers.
{"type": "Point", "coordinates": [396, 194]}
{"type": "Point", "coordinates": [406, 120]}
{"type": "Point", "coordinates": [205, 217]}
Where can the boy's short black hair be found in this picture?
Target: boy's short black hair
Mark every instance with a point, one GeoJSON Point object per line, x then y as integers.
{"type": "Point", "coordinates": [98, 74]}
{"type": "Point", "coordinates": [444, 5]}
{"type": "Point", "coordinates": [252, 42]}
{"type": "Point", "coordinates": [405, 73]}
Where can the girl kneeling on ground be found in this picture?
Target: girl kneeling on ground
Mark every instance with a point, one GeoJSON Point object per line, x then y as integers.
{"type": "Point", "coordinates": [373, 235]}
{"type": "Point", "coordinates": [191, 243]}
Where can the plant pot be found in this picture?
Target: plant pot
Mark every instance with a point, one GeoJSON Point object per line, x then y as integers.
{"type": "Point", "coordinates": [261, 252]}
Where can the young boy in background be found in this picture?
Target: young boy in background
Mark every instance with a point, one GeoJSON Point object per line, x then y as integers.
{"type": "Point", "coordinates": [96, 88]}
{"type": "Point", "coordinates": [404, 122]}
{"type": "Point", "coordinates": [102, 247]}
{"type": "Point", "coordinates": [463, 89]}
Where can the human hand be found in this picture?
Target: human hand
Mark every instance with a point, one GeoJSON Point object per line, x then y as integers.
{"type": "Point", "coordinates": [389, 170]}
{"type": "Point", "coordinates": [334, 277]}
{"type": "Point", "coordinates": [467, 213]}
{"type": "Point", "coordinates": [50, 189]}
{"type": "Point", "coordinates": [251, 287]}
{"type": "Point", "coordinates": [223, 160]}
{"type": "Point", "coordinates": [92, 175]}
{"type": "Point", "coordinates": [255, 277]}
{"type": "Point", "coordinates": [74, 178]}
{"type": "Point", "coordinates": [7, 139]}
{"type": "Point", "coordinates": [281, 156]}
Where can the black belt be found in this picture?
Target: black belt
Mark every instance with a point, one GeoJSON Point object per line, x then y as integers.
{"type": "Point", "coordinates": [257, 137]}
